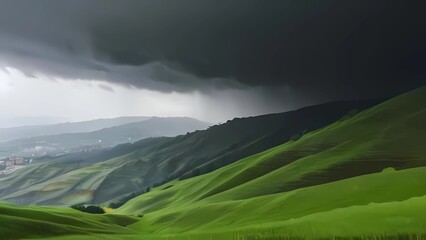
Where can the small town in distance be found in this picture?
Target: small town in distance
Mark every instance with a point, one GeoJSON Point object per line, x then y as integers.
{"type": "Point", "coordinates": [13, 163]}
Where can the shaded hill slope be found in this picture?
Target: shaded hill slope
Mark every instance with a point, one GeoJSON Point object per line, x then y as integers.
{"type": "Point", "coordinates": [189, 155]}
{"type": "Point", "coordinates": [53, 167]}
{"type": "Point", "coordinates": [205, 151]}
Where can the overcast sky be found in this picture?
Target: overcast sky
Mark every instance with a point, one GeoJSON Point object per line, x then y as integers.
{"type": "Point", "coordinates": [213, 60]}
{"type": "Point", "coordinates": [77, 100]}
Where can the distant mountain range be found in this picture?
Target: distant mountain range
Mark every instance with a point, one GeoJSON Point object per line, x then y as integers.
{"type": "Point", "coordinates": [105, 137]}
{"type": "Point", "coordinates": [91, 178]}
{"type": "Point", "coordinates": [8, 134]}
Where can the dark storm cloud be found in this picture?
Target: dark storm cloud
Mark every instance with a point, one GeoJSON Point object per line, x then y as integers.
{"type": "Point", "coordinates": [106, 88]}
{"type": "Point", "coordinates": [316, 48]}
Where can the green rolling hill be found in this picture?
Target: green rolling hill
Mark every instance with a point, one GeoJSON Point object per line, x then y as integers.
{"type": "Point", "coordinates": [372, 161]}
{"type": "Point", "coordinates": [111, 175]}
{"type": "Point", "coordinates": [373, 204]}
{"type": "Point", "coordinates": [42, 222]}
{"type": "Point", "coordinates": [361, 177]}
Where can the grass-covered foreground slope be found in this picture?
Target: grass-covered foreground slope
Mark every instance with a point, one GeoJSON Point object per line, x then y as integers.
{"type": "Point", "coordinates": [352, 196]}
{"type": "Point", "coordinates": [18, 222]}
{"type": "Point", "coordinates": [340, 180]}
{"type": "Point", "coordinates": [369, 206]}
{"type": "Point", "coordinates": [109, 175]}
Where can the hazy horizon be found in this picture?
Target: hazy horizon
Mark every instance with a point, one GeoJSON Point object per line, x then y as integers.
{"type": "Point", "coordinates": [81, 100]}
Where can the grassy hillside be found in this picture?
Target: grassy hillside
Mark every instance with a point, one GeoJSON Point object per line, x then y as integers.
{"type": "Point", "coordinates": [295, 180]}
{"type": "Point", "coordinates": [376, 204]}
{"type": "Point", "coordinates": [387, 135]}
{"type": "Point", "coordinates": [361, 177]}
{"type": "Point", "coordinates": [108, 180]}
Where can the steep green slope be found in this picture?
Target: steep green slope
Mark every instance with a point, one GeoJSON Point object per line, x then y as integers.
{"type": "Point", "coordinates": [195, 153]}
{"type": "Point", "coordinates": [205, 151]}
{"type": "Point", "coordinates": [300, 207]}
{"type": "Point", "coordinates": [387, 135]}
{"type": "Point", "coordinates": [298, 178]}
